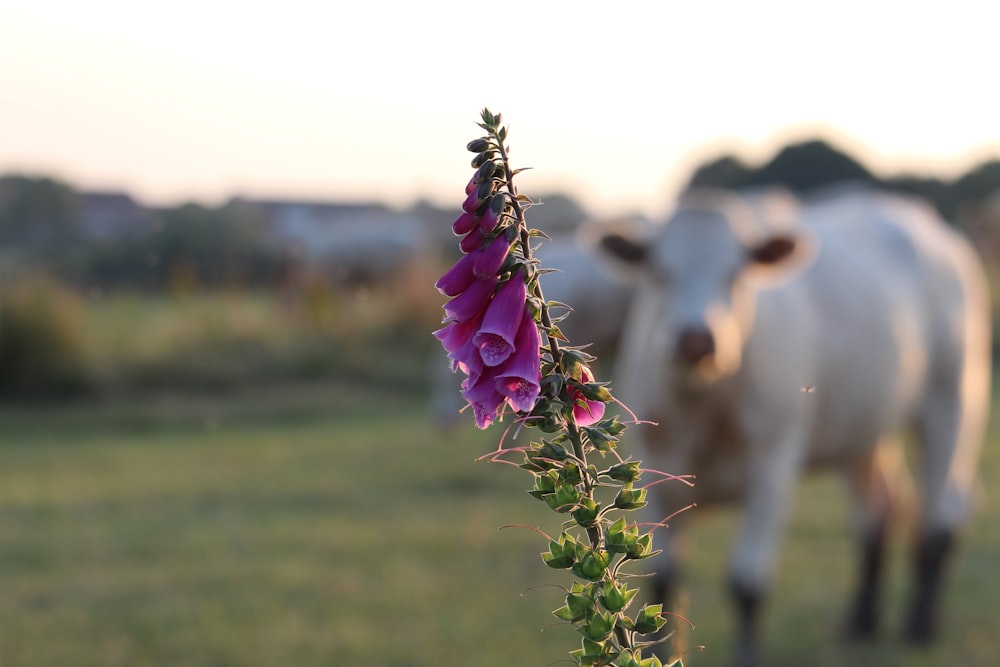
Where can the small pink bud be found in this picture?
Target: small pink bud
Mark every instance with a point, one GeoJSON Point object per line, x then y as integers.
{"type": "Point", "coordinates": [585, 412]}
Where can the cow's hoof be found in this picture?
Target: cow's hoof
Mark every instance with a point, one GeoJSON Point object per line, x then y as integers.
{"type": "Point", "coordinates": [861, 627]}
{"type": "Point", "coordinates": [747, 658]}
{"type": "Point", "coordinates": [919, 631]}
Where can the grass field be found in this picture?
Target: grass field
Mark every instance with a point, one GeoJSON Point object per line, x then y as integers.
{"type": "Point", "coordinates": [331, 525]}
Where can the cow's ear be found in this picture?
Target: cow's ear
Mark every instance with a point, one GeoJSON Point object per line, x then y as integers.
{"type": "Point", "coordinates": [780, 257]}
{"type": "Point", "coordinates": [622, 257]}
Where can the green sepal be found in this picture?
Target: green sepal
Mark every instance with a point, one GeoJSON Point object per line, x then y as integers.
{"type": "Point", "coordinates": [563, 553]}
{"type": "Point", "coordinates": [545, 484]}
{"type": "Point", "coordinates": [478, 145]}
{"type": "Point", "coordinates": [552, 384]}
{"type": "Point", "coordinates": [552, 451]}
{"type": "Point", "coordinates": [643, 548]}
{"type": "Point", "coordinates": [572, 364]}
{"type": "Point", "coordinates": [579, 605]}
{"type": "Point", "coordinates": [563, 613]}
{"type": "Point", "coordinates": [626, 472]}
{"type": "Point", "coordinates": [593, 565]}
{"type": "Point", "coordinates": [621, 537]}
{"type": "Point", "coordinates": [615, 598]}
{"type": "Point", "coordinates": [593, 653]}
{"type": "Point", "coordinates": [649, 619]}
{"type": "Point", "coordinates": [628, 659]}
{"type": "Point", "coordinates": [595, 391]}
{"type": "Point", "coordinates": [565, 498]}
{"type": "Point", "coordinates": [481, 158]}
{"type": "Point", "coordinates": [598, 626]}
{"type": "Point", "coordinates": [629, 498]}
{"type": "Point", "coordinates": [586, 513]}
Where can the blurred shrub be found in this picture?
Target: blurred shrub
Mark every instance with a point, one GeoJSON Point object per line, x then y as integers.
{"type": "Point", "coordinates": [44, 348]}
{"type": "Point", "coordinates": [189, 247]}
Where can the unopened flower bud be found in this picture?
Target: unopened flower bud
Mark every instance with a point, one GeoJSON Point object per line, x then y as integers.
{"type": "Point", "coordinates": [485, 172]}
{"type": "Point", "coordinates": [481, 158]}
{"type": "Point", "coordinates": [489, 260]}
{"type": "Point", "coordinates": [472, 240]}
{"type": "Point", "coordinates": [491, 216]}
{"type": "Point", "coordinates": [465, 223]}
{"type": "Point", "coordinates": [478, 145]}
{"type": "Point", "coordinates": [477, 197]}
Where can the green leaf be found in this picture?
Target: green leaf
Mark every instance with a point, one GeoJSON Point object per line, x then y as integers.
{"type": "Point", "coordinates": [563, 613]}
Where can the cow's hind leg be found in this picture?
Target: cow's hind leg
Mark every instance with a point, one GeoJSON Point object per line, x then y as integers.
{"type": "Point", "coordinates": [874, 484]}
{"type": "Point", "coordinates": [949, 430]}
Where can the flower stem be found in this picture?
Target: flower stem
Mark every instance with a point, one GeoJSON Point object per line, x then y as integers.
{"type": "Point", "coordinates": [594, 532]}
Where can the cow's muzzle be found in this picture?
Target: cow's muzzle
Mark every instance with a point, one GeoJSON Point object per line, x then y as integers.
{"type": "Point", "coordinates": [694, 345]}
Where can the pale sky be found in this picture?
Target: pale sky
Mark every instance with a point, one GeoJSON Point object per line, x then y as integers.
{"type": "Point", "coordinates": [372, 100]}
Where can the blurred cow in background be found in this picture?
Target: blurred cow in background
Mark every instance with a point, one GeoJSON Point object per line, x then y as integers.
{"type": "Point", "coordinates": [770, 335]}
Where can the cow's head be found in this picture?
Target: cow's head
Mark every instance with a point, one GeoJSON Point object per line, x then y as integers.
{"type": "Point", "coordinates": [698, 275]}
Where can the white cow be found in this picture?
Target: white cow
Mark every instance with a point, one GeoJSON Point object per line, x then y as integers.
{"type": "Point", "coordinates": [768, 336]}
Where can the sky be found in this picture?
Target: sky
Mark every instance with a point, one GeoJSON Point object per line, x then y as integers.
{"type": "Point", "coordinates": [368, 100]}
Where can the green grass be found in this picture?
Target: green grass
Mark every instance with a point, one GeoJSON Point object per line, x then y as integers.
{"type": "Point", "coordinates": [327, 525]}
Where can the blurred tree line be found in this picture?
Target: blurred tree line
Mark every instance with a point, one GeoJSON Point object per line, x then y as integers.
{"type": "Point", "coordinates": [809, 165]}
{"type": "Point", "coordinates": [44, 222]}
{"type": "Point", "coordinates": [44, 226]}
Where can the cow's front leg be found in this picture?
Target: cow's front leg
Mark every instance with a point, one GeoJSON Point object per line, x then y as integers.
{"type": "Point", "coordinates": [665, 570]}
{"type": "Point", "coordinates": [771, 478]}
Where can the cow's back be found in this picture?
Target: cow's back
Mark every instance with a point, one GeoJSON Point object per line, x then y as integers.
{"type": "Point", "coordinates": [897, 302]}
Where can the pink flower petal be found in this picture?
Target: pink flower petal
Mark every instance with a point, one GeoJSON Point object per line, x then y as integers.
{"type": "Point", "coordinates": [471, 302]}
{"type": "Point", "coordinates": [519, 378]}
{"type": "Point", "coordinates": [501, 321]}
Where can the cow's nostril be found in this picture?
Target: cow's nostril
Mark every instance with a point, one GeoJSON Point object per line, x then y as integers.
{"type": "Point", "coordinates": [693, 345]}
